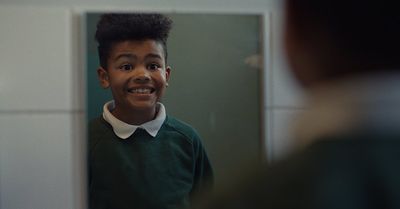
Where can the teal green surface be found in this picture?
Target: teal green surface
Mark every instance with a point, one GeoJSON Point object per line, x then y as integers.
{"type": "Point", "coordinates": [96, 94]}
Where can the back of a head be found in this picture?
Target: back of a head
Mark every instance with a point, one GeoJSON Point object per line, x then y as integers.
{"type": "Point", "coordinates": [364, 34]}
{"type": "Point", "coordinates": [117, 27]}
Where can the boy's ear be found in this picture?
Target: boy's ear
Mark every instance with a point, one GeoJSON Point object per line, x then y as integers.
{"type": "Point", "coordinates": [102, 75]}
{"type": "Point", "coordinates": [167, 73]}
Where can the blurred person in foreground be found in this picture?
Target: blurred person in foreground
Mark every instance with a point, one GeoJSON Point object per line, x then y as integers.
{"type": "Point", "coordinates": [346, 55]}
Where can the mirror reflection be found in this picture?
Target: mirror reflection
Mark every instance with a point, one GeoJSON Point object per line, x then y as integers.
{"type": "Point", "coordinates": [168, 117]}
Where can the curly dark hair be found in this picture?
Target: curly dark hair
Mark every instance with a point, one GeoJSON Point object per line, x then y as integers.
{"type": "Point", "coordinates": [117, 27]}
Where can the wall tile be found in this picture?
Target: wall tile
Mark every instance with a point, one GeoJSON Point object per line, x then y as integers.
{"type": "Point", "coordinates": [35, 57]}
{"type": "Point", "coordinates": [281, 141]}
{"type": "Point", "coordinates": [285, 91]}
{"type": "Point", "coordinates": [36, 161]}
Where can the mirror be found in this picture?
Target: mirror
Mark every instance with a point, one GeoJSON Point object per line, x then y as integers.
{"type": "Point", "coordinates": [215, 83]}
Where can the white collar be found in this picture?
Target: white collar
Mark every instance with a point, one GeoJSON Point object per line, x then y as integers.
{"type": "Point", "coordinates": [124, 130]}
{"type": "Point", "coordinates": [370, 102]}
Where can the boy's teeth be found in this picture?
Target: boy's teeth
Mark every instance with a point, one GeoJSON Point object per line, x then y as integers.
{"type": "Point", "coordinates": [141, 91]}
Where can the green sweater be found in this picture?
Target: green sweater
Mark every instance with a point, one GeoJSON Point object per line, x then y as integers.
{"type": "Point", "coordinates": [144, 172]}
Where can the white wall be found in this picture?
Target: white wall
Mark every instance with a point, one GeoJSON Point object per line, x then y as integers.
{"type": "Point", "coordinates": [41, 94]}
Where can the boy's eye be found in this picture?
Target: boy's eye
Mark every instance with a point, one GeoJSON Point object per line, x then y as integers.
{"type": "Point", "coordinates": [153, 66]}
{"type": "Point", "coordinates": [126, 67]}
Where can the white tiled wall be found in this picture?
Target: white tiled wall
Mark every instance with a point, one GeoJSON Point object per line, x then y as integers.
{"type": "Point", "coordinates": [282, 140]}
{"type": "Point", "coordinates": [38, 164]}
{"type": "Point", "coordinates": [35, 59]}
{"type": "Point", "coordinates": [36, 161]}
{"type": "Point", "coordinates": [41, 95]}
{"type": "Point", "coordinates": [284, 97]}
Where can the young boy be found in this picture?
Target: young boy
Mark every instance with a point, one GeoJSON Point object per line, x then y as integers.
{"type": "Point", "coordinates": [139, 157]}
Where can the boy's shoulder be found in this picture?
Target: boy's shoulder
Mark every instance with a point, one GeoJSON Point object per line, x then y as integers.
{"type": "Point", "coordinates": [182, 127]}
{"type": "Point", "coordinates": [97, 125]}
{"type": "Point", "coordinates": [98, 128]}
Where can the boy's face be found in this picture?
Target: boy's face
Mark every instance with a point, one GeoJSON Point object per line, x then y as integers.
{"type": "Point", "coordinates": [136, 74]}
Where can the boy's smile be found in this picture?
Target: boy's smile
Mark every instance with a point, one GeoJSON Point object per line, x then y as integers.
{"type": "Point", "coordinates": [137, 76]}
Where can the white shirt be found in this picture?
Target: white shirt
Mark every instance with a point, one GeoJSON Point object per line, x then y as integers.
{"type": "Point", "coordinates": [124, 130]}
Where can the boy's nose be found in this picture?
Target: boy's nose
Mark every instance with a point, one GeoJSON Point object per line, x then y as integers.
{"type": "Point", "coordinates": [142, 77]}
